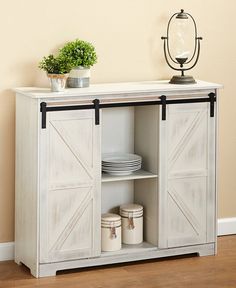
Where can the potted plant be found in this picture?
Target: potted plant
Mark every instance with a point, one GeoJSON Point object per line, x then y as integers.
{"type": "Point", "coordinates": [57, 69]}
{"type": "Point", "coordinates": [81, 55]}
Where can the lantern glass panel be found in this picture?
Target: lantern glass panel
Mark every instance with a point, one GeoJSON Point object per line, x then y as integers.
{"type": "Point", "coordinates": [181, 39]}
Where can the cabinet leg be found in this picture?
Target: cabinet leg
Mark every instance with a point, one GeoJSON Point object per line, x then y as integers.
{"type": "Point", "coordinates": [207, 252]}
{"type": "Point", "coordinates": [47, 272]}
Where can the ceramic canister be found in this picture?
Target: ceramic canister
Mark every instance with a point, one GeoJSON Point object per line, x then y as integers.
{"type": "Point", "coordinates": [111, 232]}
{"type": "Point", "coordinates": [132, 223]}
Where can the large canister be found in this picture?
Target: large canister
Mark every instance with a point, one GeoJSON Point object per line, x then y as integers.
{"type": "Point", "coordinates": [132, 223]}
{"type": "Point", "coordinates": [111, 232]}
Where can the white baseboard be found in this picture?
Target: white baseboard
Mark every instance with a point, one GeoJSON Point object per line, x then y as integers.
{"type": "Point", "coordinates": [7, 251]}
{"type": "Point", "coordinates": [226, 226]}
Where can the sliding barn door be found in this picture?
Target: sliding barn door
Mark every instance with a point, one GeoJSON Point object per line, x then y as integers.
{"type": "Point", "coordinates": [187, 179]}
{"type": "Point", "coordinates": [70, 186]}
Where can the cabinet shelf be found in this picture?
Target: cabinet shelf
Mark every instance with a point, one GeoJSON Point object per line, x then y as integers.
{"type": "Point", "coordinates": [140, 174]}
{"type": "Point", "coordinates": [128, 249]}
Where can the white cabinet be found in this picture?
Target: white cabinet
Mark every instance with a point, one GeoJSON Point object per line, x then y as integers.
{"type": "Point", "coordinates": [61, 192]}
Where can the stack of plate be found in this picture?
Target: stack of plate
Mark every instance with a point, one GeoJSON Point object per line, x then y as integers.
{"type": "Point", "coordinates": [121, 163]}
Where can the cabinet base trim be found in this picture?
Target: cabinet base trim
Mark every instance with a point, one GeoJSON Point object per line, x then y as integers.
{"type": "Point", "coordinates": [51, 268]}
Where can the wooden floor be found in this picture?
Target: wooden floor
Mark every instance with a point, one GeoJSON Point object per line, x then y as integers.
{"type": "Point", "coordinates": [191, 272]}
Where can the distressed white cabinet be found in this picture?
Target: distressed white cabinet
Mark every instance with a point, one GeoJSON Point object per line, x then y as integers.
{"type": "Point", "coordinates": [61, 192]}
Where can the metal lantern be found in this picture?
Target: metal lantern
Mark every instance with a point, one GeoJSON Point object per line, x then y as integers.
{"type": "Point", "coordinates": [176, 52]}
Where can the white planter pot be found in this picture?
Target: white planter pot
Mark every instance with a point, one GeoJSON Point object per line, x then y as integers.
{"type": "Point", "coordinates": [79, 77]}
{"type": "Point", "coordinates": [57, 82]}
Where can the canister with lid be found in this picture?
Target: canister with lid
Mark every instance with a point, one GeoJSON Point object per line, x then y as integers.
{"type": "Point", "coordinates": [132, 223]}
{"type": "Point", "coordinates": [111, 232]}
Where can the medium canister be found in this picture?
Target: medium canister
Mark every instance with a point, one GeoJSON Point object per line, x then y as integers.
{"type": "Point", "coordinates": [111, 232]}
{"type": "Point", "coordinates": [132, 223]}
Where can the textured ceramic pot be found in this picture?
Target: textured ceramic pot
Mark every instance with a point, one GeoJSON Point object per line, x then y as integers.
{"type": "Point", "coordinates": [57, 82]}
{"type": "Point", "coordinates": [79, 77]}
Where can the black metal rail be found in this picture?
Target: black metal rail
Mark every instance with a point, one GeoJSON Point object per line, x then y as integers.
{"type": "Point", "coordinates": [97, 106]}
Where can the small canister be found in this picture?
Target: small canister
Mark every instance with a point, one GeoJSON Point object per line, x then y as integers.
{"type": "Point", "coordinates": [111, 232]}
{"type": "Point", "coordinates": [132, 223]}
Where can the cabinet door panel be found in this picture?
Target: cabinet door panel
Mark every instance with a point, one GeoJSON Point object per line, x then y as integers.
{"type": "Point", "coordinates": [70, 187]}
{"type": "Point", "coordinates": [187, 206]}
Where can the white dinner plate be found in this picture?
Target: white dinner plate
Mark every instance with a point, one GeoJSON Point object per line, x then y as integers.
{"type": "Point", "coordinates": [120, 173]}
{"type": "Point", "coordinates": [120, 158]}
{"type": "Point", "coordinates": [121, 165]}
{"type": "Point", "coordinates": [121, 169]}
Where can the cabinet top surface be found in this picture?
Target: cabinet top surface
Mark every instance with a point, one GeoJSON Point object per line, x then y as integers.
{"type": "Point", "coordinates": [118, 89]}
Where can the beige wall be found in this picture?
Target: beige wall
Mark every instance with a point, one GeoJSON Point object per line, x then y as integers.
{"type": "Point", "coordinates": [127, 35]}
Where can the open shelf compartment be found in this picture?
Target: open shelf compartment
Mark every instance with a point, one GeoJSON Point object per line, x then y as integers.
{"type": "Point", "coordinates": [133, 130]}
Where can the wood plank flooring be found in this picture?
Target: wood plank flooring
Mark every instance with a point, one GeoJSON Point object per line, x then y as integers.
{"type": "Point", "coordinates": [190, 272]}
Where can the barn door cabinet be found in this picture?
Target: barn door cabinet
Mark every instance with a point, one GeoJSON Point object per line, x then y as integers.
{"type": "Point", "coordinates": [61, 191]}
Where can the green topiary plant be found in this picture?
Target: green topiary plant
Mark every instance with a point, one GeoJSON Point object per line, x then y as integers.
{"type": "Point", "coordinates": [55, 65]}
{"type": "Point", "coordinates": [79, 53]}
